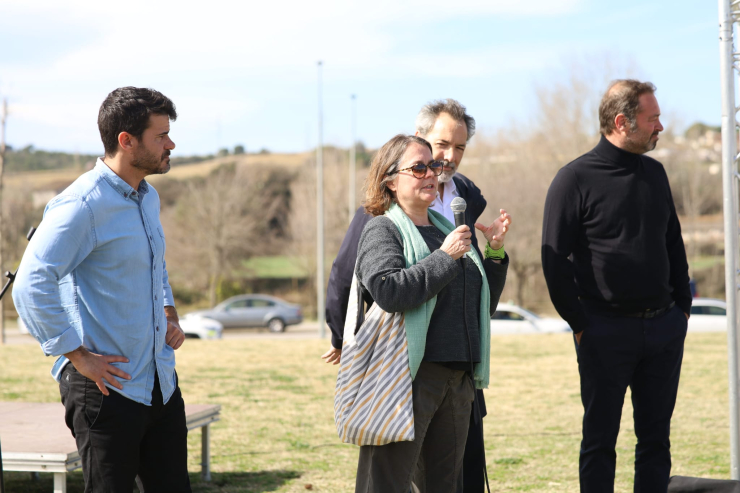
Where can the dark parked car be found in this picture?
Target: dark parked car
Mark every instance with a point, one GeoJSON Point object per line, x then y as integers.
{"type": "Point", "coordinates": [255, 310]}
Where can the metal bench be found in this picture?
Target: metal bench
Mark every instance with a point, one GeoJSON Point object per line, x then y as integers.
{"type": "Point", "coordinates": [36, 439]}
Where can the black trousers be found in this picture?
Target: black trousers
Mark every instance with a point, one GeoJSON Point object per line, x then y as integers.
{"type": "Point", "coordinates": [644, 354]}
{"type": "Point", "coordinates": [119, 439]}
{"type": "Point", "coordinates": [474, 459]}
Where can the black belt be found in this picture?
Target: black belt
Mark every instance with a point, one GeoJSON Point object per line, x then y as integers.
{"type": "Point", "coordinates": [649, 313]}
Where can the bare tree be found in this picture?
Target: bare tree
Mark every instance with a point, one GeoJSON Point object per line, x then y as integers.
{"type": "Point", "coordinates": [219, 222]}
{"type": "Point", "coordinates": [696, 190]}
{"type": "Point", "coordinates": [20, 215]}
{"type": "Point", "coordinates": [514, 167]}
{"type": "Point", "coordinates": [303, 214]}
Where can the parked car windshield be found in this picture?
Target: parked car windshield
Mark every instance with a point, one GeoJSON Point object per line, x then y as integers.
{"type": "Point", "coordinates": [260, 303]}
{"type": "Point", "coordinates": [708, 310]}
{"type": "Point", "coordinates": [237, 304]}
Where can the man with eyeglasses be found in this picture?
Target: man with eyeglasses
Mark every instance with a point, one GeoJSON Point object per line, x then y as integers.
{"type": "Point", "coordinates": [446, 125]}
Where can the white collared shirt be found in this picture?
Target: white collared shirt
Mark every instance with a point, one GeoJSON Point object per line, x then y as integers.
{"type": "Point", "coordinates": [443, 206]}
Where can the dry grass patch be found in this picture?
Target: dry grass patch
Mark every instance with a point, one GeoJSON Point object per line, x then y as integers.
{"type": "Point", "coordinates": [277, 431]}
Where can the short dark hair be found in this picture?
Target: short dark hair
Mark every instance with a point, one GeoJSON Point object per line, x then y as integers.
{"type": "Point", "coordinates": [622, 96]}
{"type": "Point", "coordinates": [378, 197]}
{"type": "Point", "coordinates": [127, 109]}
{"type": "Point", "coordinates": [429, 113]}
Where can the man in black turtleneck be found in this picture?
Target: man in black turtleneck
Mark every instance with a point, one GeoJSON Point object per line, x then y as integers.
{"type": "Point", "coordinates": [616, 269]}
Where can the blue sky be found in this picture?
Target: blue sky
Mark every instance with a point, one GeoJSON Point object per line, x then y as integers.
{"type": "Point", "coordinates": [246, 73]}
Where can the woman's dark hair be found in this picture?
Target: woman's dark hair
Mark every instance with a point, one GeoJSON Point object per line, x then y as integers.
{"type": "Point", "coordinates": [378, 197]}
{"type": "Point", "coordinates": [127, 109]}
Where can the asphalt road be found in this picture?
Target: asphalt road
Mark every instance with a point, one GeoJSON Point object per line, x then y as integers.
{"type": "Point", "coordinates": [306, 330]}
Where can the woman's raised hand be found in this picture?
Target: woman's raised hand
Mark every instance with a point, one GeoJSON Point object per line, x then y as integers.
{"type": "Point", "coordinates": [458, 242]}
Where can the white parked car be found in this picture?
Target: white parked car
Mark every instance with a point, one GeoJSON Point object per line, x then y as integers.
{"type": "Point", "coordinates": [513, 319]}
{"type": "Point", "coordinates": [201, 327]}
{"type": "Point", "coordinates": [708, 315]}
{"type": "Point", "coordinates": [22, 327]}
{"type": "Point", "coordinates": [192, 325]}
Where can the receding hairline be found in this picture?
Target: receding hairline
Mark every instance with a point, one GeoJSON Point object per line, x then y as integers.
{"type": "Point", "coordinates": [430, 113]}
{"type": "Point", "coordinates": [621, 85]}
{"type": "Point", "coordinates": [459, 122]}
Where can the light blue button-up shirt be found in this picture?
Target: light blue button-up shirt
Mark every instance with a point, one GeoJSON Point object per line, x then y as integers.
{"type": "Point", "coordinates": [94, 275]}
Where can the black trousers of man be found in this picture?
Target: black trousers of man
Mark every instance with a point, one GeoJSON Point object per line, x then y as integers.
{"type": "Point", "coordinates": [119, 439]}
{"type": "Point", "coordinates": [474, 460]}
{"type": "Point", "coordinates": [644, 354]}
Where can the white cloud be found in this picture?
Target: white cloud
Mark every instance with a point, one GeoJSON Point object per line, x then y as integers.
{"type": "Point", "coordinates": [176, 43]}
{"type": "Point", "coordinates": [155, 37]}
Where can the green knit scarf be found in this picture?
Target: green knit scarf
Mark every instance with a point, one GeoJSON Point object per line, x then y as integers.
{"type": "Point", "coordinates": [417, 319]}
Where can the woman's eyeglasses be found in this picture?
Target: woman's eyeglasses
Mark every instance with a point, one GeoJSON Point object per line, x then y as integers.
{"type": "Point", "coordinates": [419, 170]}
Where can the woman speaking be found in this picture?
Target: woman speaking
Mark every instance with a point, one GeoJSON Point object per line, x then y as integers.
{"type": "Point", "coordinates": [449, 351]}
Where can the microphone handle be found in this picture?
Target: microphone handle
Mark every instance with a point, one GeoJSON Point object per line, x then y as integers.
{"type": "Point", "coordinates": [459, 219]}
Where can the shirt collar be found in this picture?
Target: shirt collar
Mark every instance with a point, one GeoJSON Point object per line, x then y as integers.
{"type": "Point", "coordinates": [614, 154]}
{"type": "Point", "coordinates": [450, 188]}
{"type": "Point", "coordinates": [118, 184]}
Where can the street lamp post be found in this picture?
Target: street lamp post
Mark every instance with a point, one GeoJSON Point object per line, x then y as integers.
{"type": "Point", "coordinates": [353, 162]}
{"type": "Point", "coordinates": [320, 216]}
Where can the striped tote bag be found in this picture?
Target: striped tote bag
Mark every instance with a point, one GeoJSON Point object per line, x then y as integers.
{"type": "Point", "coordinates": [372, 398]}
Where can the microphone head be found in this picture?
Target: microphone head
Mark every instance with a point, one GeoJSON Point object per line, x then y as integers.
{"type": "Point", "coordinates": [458, 204]}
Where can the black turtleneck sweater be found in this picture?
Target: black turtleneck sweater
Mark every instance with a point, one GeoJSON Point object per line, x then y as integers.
{"type": "Point", "coordinates": [612, 212]}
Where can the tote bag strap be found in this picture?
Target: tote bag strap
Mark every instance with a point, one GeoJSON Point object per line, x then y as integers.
{"type": "Point", "coordinates": [355, 310]}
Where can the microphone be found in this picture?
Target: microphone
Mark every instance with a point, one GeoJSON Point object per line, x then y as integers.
{"type": "Point", "coordinates": [458, 206]}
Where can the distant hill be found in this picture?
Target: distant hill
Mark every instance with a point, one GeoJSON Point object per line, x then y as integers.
{"type": "Point", "coordinates": [38, 170]}
{"type": "Point", "coordinates": [41, 170]}
{"type": "Point", "coordinates": [30, 159]}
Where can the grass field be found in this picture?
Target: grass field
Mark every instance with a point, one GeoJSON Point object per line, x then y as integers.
{"type": "Point", "coordinates": [277, 431]}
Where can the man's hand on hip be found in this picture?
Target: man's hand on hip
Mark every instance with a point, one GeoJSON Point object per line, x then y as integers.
{"type": "Point", "coordinates": [175, 336]}
{"type": "Point", "coordinates": [578, 338]}
{"type": "Point", "coordinates": [97, 367]}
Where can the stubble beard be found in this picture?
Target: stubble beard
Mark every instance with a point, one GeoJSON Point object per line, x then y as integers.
{"type": "Point", "coordinates": [636, 145]}
{"type": "Point", "coordinates": [639, 146]}
{"type": "Point", "coordinates": [446, 176]}
{"type": "Point", "coordinates": [151, 164]}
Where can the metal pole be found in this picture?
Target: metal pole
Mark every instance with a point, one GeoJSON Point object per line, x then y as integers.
{"type": "Point", "coordinates": [2, 167]}
{"type": "Point", "coordinates": [320, 218]}
{"type": "Point", "coordinates": [730, 203]}
{"type": "Point", "coordinates": [353, 162]}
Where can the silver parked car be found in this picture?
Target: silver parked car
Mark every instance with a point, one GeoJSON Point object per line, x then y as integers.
{"type": "Point", "coordinates": [513, 319]}
{"type": "Point", "coordinates": [255, 310]}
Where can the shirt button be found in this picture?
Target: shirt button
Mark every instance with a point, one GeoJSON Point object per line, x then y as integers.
{"type": "Point", "coordinates": [155, 297]}
{"type": "Point", "coordinates": [157, 328]}
{"type": "Point", "coordinates": [150, 237]}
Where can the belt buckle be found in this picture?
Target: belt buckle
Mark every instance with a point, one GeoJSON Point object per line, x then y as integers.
{"type": "Point", "coordinates": [649, 313]}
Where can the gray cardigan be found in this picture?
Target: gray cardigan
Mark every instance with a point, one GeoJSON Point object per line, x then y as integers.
{"type": "Point", "coordinates": [381, 268]}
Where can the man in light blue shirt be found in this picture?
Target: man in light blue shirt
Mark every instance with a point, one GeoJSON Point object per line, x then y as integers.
{"type": "Point", "coordinates": [93, 289]}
